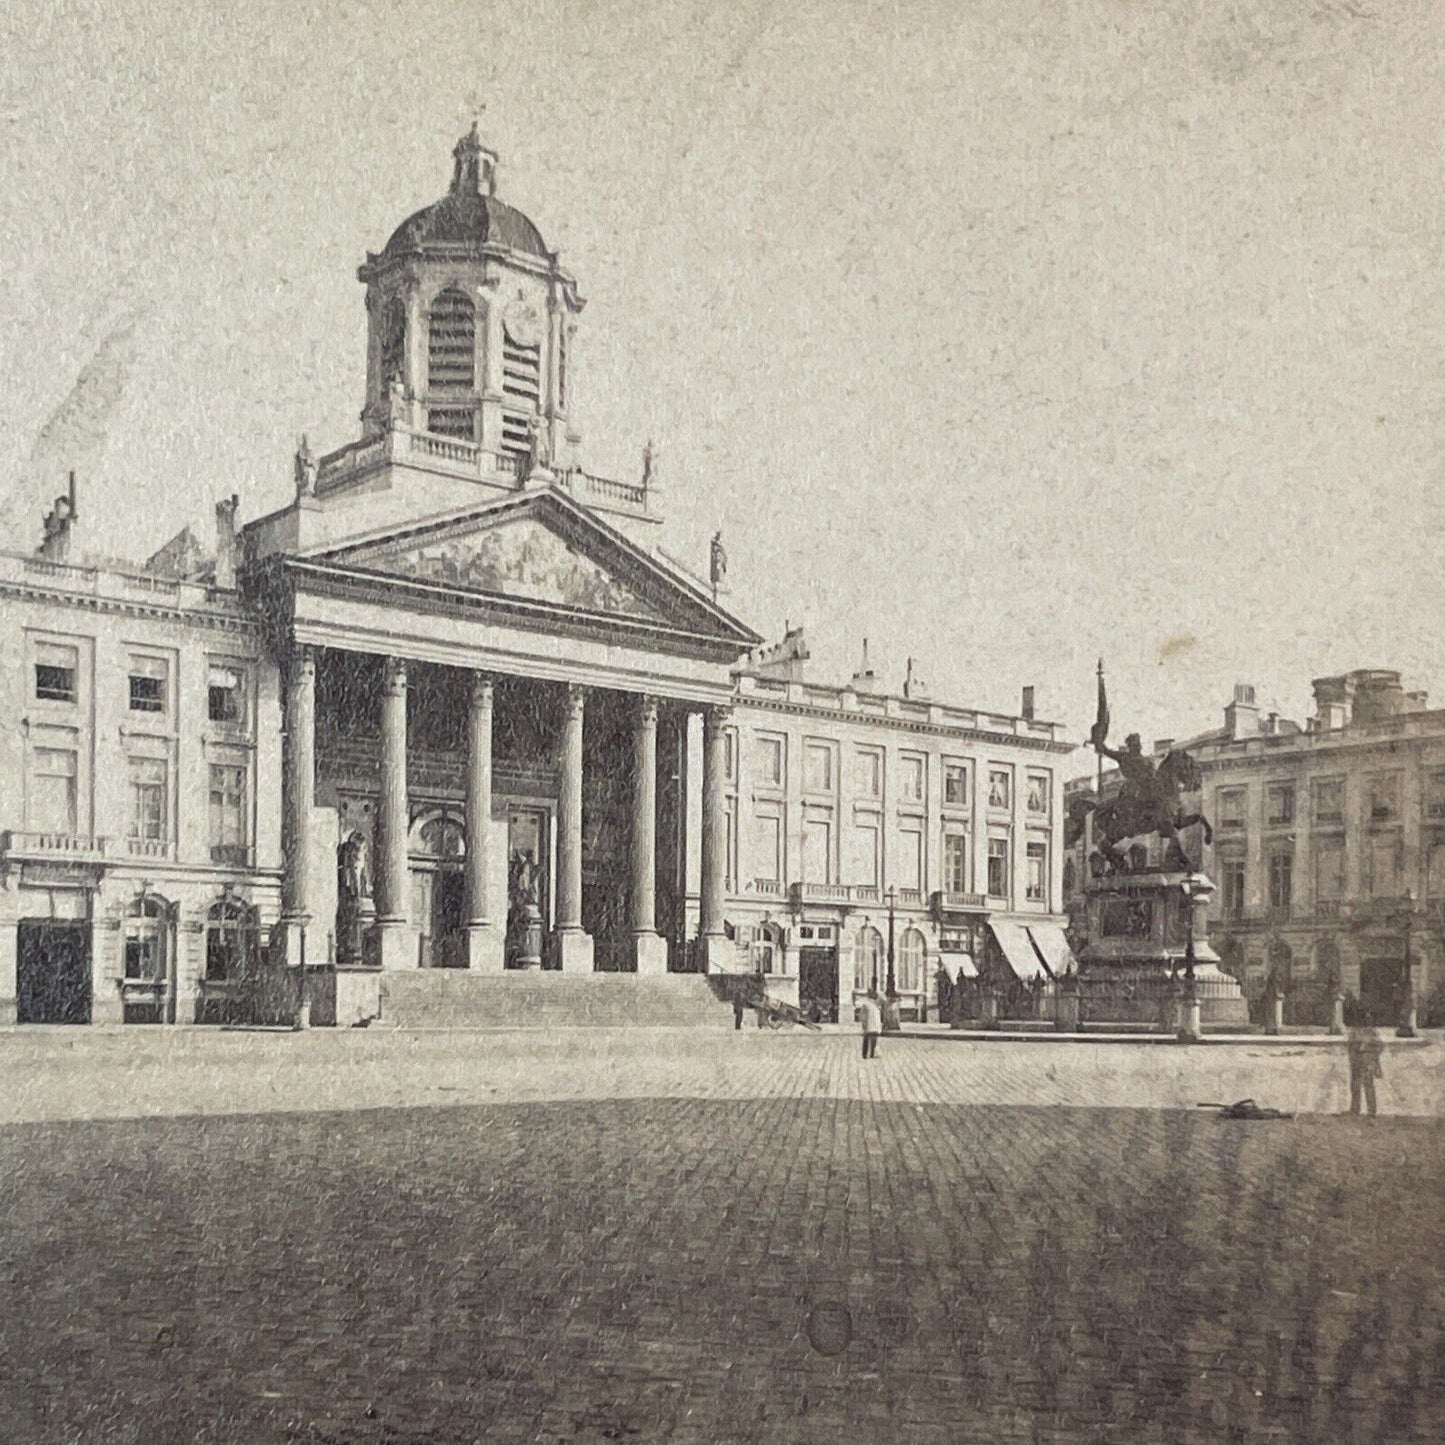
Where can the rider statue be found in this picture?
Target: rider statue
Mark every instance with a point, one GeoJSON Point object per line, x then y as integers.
{"type": "Point", "coordinates": [1148, 801]}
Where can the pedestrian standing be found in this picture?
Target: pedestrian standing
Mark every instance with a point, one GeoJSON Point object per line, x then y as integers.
{"type": "Point", "coordinates": [870, 1014]}
{"type": "Point", "coordinates": [1365, 1052]}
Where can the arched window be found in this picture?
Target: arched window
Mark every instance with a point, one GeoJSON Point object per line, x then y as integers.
{"type": "Point", "coordinates": [393, 341]}
{"type": "Point", "coordinates": [767, 950]}
{"type": "Point", "coordinates": [440, 837]}
{"type": "Point", "coordinates": [233, 941]}
{"type": "Point", "coordinates": [869, 960]}
{"type": "Point", "coordinates": [451, 361]}
{"type": "Point", "coordinates": [909, 969]}
{"type": "Point", "coordinates": [148, 935]}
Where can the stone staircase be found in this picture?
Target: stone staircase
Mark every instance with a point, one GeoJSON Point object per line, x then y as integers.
{"type": "Point", "coordinates": [439, 998]}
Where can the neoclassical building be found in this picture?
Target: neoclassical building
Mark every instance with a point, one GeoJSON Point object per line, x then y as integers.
{"type": "Point", "coordinates": [1328, 847]}
{"type": "Point", "coordinates": [452, 708]}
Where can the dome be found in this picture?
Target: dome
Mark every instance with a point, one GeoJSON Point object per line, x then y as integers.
{"type": "Point", "coordinates": [468, 221]}
{"type": "Point", "coordinates": [469, 214]}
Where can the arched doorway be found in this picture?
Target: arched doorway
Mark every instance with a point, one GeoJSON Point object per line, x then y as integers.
{"type": "Point", "coordinates": [233, 954]}
{"type": "Point", "coordinates": [148, 993]}
{"type": "Point", "coordinates": [437, 853]}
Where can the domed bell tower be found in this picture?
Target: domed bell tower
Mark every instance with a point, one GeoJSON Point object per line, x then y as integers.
{"type": "Point", "coordinates": [470, 320]}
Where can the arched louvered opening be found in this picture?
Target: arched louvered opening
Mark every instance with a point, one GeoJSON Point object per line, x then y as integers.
{"type": "Point", "coordinates": [521, 369]}
{"type": "Point", "coordinates": [911, 951]}
{"type": "Point", "coordinates": [451, 362]}
{"type": "Point", "coordinates": [393, 342]}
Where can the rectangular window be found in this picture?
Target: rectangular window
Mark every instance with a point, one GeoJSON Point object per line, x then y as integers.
{"type": "Point", "coordinates": [228, 813]}
{"type": "Point", "coordinates": [148, 677]}
{"type": "Point", "coordinates": [1281, 881]}
{"type": "Point", "coordinates": [868, 772]}
{"type": "Point", "coordinates": [1231, 887]}
{"type": "Point", "coordinates": [1435, 793]}
{"type": "Point", "coordinates": [1037, 888]}
{"type": "Point", "coordinates": [1038, 797]}
{"type": "Point", "coordinates": [226, 695]}
{"type": "Point", "coordinates": [148, 799]}
{"type": "Point", "coordinates": [818, 850]}
{"type": "Point", "coordinates": [1329, 868]}
{"type": "Point", "coordinates": [955, 785]}
{"type": "Point", "coordinates": [1329, 801]}
{"type": "Point", "coordinates": [768, 847]}
{"type": "Point", "coordinates": [1383, 860]}
{"type": "Point", "coordinates": [867, 854]}
{"type": "Point", "coordinates": [53, 773]}
{"type": "Point", "coordinates": [1279, 804]}
{"type": "Point", "coordinates": [55, 671]}
{"type": "Point", "coordinates": [730, 858]}
{"type": "Point", "coordinates": [955, 862]}
{"type": "Point", "coordinates": [914, 777]}
{"type": "Point", "coordinates": [818, 767]}
{"type": "Point", "coordinates": [1000, 789]}
{"type": "Point", "coordinates": [1384, 792]}
{"type": "Point", "coordinates": [998, 867]}
{"type": "Point", "coordinates": [1229, 809]}
{"type": "Point", "coordinates": [910, 858]}
{"type": "Point", "coordinates": [730, 754]}
{"type": "Point", "coordinates": [772, 760]}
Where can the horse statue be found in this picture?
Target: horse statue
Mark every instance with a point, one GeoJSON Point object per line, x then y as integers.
{"type": "Point", "coordinates": [1147, 802]}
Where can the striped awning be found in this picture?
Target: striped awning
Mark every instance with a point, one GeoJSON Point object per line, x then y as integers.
{"type": "Point", "coordinates": [1018, 949]}
{"type": "Point", "coordinates": [1053, 948]}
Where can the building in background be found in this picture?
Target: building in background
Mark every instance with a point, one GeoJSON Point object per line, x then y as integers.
{"type": "Point", "coordinates": [452, 708]}
{"type": "Point", "coordinates": [1329, 846]}
{"type": "Point", "coordinates": [854, 812]}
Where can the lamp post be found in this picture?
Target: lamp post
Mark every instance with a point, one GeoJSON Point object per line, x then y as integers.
{"type": "Point", "coordinates": [892, 985]}
{"type": "Point", "coordinates": [1406, 1027]}
{"type": "Point", "coordinates": [1190, 1027]}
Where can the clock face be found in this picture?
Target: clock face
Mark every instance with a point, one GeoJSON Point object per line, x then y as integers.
{"type": "Point", "coordinates": [523, 322]}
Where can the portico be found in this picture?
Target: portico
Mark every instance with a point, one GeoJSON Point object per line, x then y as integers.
{"type": "Point", "coordinates": [523, 727]}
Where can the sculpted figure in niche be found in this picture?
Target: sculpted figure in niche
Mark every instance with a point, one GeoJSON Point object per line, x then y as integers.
{"type": "Point", "coordinates": [353, 895]}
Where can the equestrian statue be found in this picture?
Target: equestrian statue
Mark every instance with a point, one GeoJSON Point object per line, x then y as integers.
{"type": "Point", "coordinates": [1147, 802]}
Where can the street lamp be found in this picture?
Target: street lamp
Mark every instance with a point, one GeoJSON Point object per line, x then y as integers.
{"type": "Point", "coordinates": [1406, 1025]}
{"type": "Point", "coordinates": [892, 989]}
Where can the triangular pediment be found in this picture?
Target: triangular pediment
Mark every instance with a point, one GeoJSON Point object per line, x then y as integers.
{"type": "Point", "coordinates": [539, 550]}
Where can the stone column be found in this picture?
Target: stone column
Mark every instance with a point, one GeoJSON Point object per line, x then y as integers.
{"type": "Point", "coordinates": [573, 947]}
{"type": "Point", "coordinates": [299, 773]}
{"type": "Point", "coordinates": [649, 949]}
{"type": "Point", "coordinates": [714, 834]}
{"type": "Point", "coordinates": [484, 936]}
{"type": "Point", "coordinates": [398, 946]}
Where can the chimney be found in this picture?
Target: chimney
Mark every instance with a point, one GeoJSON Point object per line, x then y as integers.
{"type": "Point", "coordinates": [59, 523]}
{"type": "Point", "coordinates": [225, 575]}
{"type": "Point", "coordinates": [1026, 707]}
{"type": "Point", "coordinates": [914, 688]}
{"type": "Point", "coordinates": [1241, 717]}
{"type": "Point", "coordinates": [865, 680]}
{"type": "Point", "coordinates": [1334, 699]}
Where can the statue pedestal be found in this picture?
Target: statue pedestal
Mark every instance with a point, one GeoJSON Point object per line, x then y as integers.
{"type": "Point", "coordinates": [1143, 932]}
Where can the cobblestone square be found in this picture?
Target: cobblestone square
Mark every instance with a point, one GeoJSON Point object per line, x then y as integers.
{"type": "Point", "coordinates": [741, 1238]}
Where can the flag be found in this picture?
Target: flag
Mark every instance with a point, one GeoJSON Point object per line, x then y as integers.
{"type": "Point", "coordinates": [1101, 721]}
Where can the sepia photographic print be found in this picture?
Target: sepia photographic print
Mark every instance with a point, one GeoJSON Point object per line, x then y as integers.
{"type": "Point", "coordinates": [720, 723]}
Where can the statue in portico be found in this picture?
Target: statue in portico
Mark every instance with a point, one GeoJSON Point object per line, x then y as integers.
{"type": "Point", "coordinates": [354, 903]}
{"type": "Point", "coordinates": [524, 911]}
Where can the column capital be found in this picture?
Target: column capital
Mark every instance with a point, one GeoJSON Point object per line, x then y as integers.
{"type": "Point", "coordinates": [393, 675]}
{"type": "Point", "coordinates": [482, 686]}
{"type": "Point", "coordinates": [717, 715]}
{"type": "Point", "coordinates": [576, 699]}
{"type": "Point", "coordinates": [647, 709]}
{"type": "Point", "coordinates": [302, 657]}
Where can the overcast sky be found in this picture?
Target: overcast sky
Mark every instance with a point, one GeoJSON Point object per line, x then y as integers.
{"type": "Point", "coordinates": [1010, 333]}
